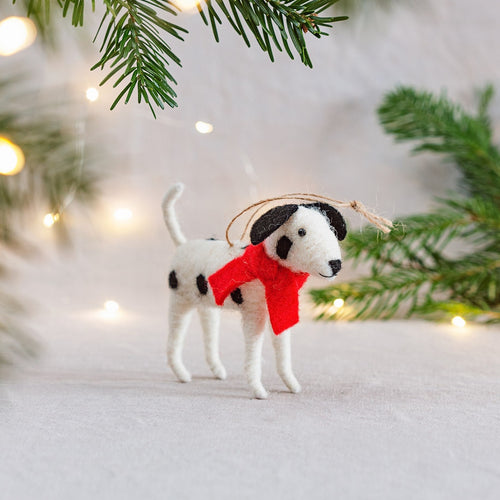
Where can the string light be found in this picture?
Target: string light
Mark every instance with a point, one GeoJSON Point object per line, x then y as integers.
{"type": "Point", "coordinates": [16, 34]}
{"type": "Point", "coordinates": [110, 311]}
{"type": "Point", "coordinates": [338, 303]}
{"type": "Point", "coordinates": [187, 6]}
{"type": "Point", "coordinates": [11, 158]}
{"type": "Point", "coordinates": [204, 127]}
{"type": "Point", "coordinates": [92, 94]}
{"type": "Point", "coordinates": [458, 321]}
{"type": "Point", "coordinates": [330, 309]}
{"type": "Point", "coordinates": [111, 306]}
{"type": "Point", "coordinates": [122, 214]}
{"type": "Point", "coordinates": [50, 219]}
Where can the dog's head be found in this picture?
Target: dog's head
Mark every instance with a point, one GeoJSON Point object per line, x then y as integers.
{"type": "Point", "coordinates": [303, 238]}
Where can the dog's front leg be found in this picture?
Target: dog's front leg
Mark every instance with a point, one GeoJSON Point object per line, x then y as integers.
{"type": "Point", "coordinates": [254, 322]}
{"type": "Point", "coordinates": [282, 351]}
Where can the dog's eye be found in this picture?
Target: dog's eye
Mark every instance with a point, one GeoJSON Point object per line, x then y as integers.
{"type": "Point", "coordinates": [301, 232]}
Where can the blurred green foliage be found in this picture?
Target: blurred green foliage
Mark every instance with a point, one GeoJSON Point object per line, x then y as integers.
{"type": "Point", "coordinates": [446, 262]}
{"type": "Point", "coordinates": [57, 174]}
{"type": "Point", "coordinates": [138, 35]}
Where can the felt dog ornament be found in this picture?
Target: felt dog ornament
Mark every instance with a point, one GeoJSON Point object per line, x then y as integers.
{"type": "Point", "coordinates": [262, 280]}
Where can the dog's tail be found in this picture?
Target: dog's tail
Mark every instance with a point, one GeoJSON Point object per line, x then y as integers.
{"type": "Point", "coordinates": [169, 213]}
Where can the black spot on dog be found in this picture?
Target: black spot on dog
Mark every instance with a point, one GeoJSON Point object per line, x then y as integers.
{"type": "Point", "coordinates": [283, 247]}
{"type": "Point", "coordinates": [236, 296]}
{"type": "Point", "coordinates": [212, 239]}
{"type": "Point", "coordinates": [173, 282]}
{"type": "Point", "coordinates": [202, 284]}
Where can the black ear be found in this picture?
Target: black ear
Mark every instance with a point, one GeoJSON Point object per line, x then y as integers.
{"type": "Point", "coordinates": [268, 223]}
{"type": "Point", "coordinates": [337, 222]}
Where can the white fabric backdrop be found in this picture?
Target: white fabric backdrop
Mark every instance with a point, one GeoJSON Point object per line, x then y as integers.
{"type": "Point", "coordinates": [100, 416]}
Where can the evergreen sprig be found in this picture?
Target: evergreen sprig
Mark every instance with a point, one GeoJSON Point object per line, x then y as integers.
{"type": "Point", "coordinates": [57, 169]}
{"type": "Point", "coordinates": [137, 35]}
{"type": "Point", "coordinates": [136, 52]}
{"type": "Point", "coordinates": [41, 10]}
{"type": "Point", "coordinates": [446, 262]}
{"type": "Point", "coordinates": [441, 126]}
{"type": "Point", "coordinates": [291, 18]}
{"type": "Point", "coordinates": [57, 172]}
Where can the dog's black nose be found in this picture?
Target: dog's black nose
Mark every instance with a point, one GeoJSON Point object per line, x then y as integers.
{"type": "Point", "coordinates": [335, 265]}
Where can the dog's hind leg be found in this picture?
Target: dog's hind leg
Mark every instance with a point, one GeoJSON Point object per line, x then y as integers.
{"type": "Point", "coordinates": [210, 322]}
{"type": "Point", "coordinates": [282, 351]}
{"type": "Point", "coordinates": [254, 322]}
{"type": "Point", "coordinates": [179, 316]}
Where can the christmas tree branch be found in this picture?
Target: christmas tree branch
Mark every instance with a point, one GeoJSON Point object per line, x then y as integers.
{"type": "Point", "coordinates": [135, 33]}
{"type": "Point", "coordinates": [440, 126]}
{"type": "Point", "coordinates": [136, 52]}
{"type": "Point", "coordinates": [292, 20]}
{"type": "Point", "coordinates": [447, 261]}
{"type": "Point", "coordinates": [54, 174]}
{"type": "Point", "coordinates": [57, 172]}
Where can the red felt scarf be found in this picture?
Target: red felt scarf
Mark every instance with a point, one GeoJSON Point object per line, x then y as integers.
{"type": "Point", "coordinates": [281, 284]}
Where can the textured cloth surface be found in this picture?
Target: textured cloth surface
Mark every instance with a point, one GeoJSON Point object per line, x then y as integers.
{"type": "Point", "coordinates": [282, 285]}
{"type": "Point", "coordinates": [388, 411]}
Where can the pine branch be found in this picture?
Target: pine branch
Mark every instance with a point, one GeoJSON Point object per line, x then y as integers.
{"type": "Point", "coordinates": [40, 13]}
{"type": "Point", "coordinates": [57, 168]}
{"type": "Point", "coordinates": [435, 310]}
{"type": "Point", "coordinates": [135, 33]}
{"type": "Point", "coordinates": [402, 247]}
{"type": "Point", "coordinates": [444, 262]}
{"type": "Point", "coordinates": [409, 289]}
{"type": "Point", "coordinates": [441, 126]}
{"type": "Point", "coordinates": [375, 299]}
{"type": "Point", "coordinates": [136, 52]}
{"type": "Point", "coordinates": [292, 19]}
{"type": "Point", "coordinates": [56, 173]}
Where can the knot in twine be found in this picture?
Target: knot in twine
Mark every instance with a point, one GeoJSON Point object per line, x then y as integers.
{"type": "Point", "coordinates": [385, 225]}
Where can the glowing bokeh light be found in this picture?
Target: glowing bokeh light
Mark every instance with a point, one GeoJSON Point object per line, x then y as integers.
{"type": "Point", "coordinates": [11, 158]}
{"type": "Point", "coordinates": [458, 321]}
{"type": "Point", "coordinates": [92, 94]}
{"type": "Point", "coordinates": [204, 127]}
{"type": "Point", "coordinates": [111, 306]}
{"type": "Point", "coordinates": [122, 214]}
{"type": "Point", "coordinates": [16, 34]}
{"type": "Point", "coordinates": [338, 303]}
{"type": "Point", "coordinates": [50, 219]}
{"type": "Point", "coordinates": [187, 6]}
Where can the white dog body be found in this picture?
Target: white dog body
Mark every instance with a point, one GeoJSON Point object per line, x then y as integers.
{"type": "Point", "coordinates": [305, 242]}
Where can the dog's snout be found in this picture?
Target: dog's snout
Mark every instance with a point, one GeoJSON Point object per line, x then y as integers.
{"type": "Point", "coordinates": [335, 265]}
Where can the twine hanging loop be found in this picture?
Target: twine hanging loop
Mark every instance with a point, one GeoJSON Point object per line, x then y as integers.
{"type": "Point", "coordinates": [385, 225]}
